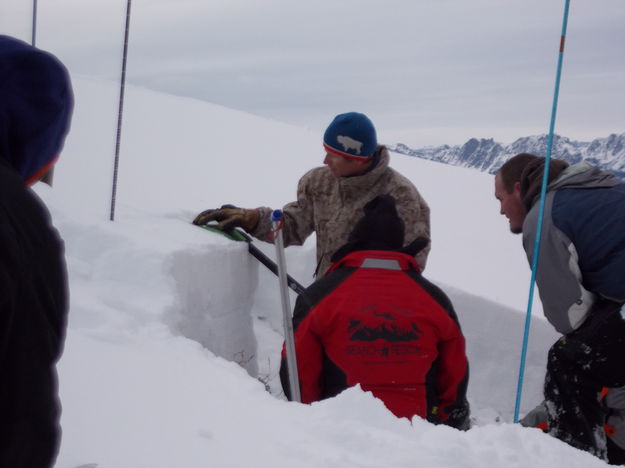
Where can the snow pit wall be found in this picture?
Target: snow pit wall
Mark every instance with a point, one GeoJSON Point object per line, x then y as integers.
{"type": "Point", "coordinates": [214, 287]}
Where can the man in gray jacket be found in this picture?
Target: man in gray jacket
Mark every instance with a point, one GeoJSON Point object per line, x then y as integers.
{"type": "Point", "coordinates": [330, 199]}
{"type": "Point", "coordinates": [581, 280]}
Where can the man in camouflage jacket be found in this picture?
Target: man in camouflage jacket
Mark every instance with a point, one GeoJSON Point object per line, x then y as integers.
{"type": "Point", "coordinates": [330, 199]}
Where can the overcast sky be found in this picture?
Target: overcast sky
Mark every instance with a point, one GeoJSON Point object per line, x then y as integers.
{"type": "Point", "coordinates": [426, 71]}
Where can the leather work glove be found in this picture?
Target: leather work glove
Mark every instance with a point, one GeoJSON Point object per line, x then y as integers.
{"type": "Point", "coordinates": [228, 217]}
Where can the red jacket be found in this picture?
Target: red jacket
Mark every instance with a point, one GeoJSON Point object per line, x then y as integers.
{"type": "Point", "coordinates": [375, 321]}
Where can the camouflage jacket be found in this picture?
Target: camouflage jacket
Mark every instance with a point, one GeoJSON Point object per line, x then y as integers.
{"type": "Point", "coordinates": [331, 206]}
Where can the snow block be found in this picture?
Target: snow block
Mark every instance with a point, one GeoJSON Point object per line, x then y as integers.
{"type": "Point", "coordinates": [213, 297]}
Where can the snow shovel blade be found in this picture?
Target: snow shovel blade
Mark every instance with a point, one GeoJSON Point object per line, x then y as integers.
{"type": "Point", "coordinates": [240, 236]}
{"type": "Point", "coordinates": [234, 234]}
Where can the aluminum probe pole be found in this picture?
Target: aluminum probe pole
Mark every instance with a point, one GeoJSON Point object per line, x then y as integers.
{"type": "Point", "coordinates": [34, 28]}
{"type": "Point", "coordinates": [291, 359]}
{"type": "Point", "coordinates": [541, 211]}
{"type": "Point", "coordinates": [120, 112]}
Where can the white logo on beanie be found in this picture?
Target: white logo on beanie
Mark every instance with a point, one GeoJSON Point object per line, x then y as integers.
{"type": "Point", "coordinates": [349, 143]}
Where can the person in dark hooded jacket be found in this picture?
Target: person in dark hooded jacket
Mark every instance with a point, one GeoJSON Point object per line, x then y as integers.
{"type": "Point", "coordinates": [35, 110]}
{"type": "Point", "coordinates": [373, 320]}
{"type": "Point", "coordinates": [581, 280]}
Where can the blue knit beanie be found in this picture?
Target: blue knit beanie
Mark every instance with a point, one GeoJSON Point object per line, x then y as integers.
{"type": "Point", "coordinates": [351, 135]}
{"type": "Point", "coordinates": [36, 105]}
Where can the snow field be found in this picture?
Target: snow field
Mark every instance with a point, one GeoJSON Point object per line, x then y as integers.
{"type": "Point", "coordinates": [161, 310]}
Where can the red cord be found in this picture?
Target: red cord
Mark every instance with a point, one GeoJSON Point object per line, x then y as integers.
{"type": "Point", "coordinates": [274, 233]}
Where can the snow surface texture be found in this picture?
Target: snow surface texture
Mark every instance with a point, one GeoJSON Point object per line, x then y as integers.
{"type": "Point", "coordinates": [174, 333]}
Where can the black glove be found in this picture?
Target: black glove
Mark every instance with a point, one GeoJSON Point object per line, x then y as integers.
{"type": "Point", "coordinates": [229, 217]}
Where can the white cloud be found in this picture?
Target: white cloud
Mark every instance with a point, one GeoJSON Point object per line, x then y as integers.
{"type": "Point", "coordinates": [413, 64]}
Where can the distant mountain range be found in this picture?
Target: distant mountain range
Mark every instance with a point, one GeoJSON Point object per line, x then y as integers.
{"type": "Point", "coordinates": [488, 155]}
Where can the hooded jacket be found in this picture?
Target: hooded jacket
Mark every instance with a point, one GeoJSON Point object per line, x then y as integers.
{"type": "Point", "coordinates": [331, 206]}
{"type": "Point", "coordinates": [35, 109]}
{"type": "Point", "coordinates": [373, 320]}
{"type": "Point", "coordinates": [582, 253]}
{"type": "Point", "coordinates": [376, 322]}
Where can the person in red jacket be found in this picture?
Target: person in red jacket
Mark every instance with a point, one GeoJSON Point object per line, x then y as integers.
{"type": "Point", "coordinates": [374, 321]}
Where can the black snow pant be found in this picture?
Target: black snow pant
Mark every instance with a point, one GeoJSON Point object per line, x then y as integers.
{"type": "Point", "coordinates": [579, 365]}
{"type": "Point", "coordinates": [616, 455]}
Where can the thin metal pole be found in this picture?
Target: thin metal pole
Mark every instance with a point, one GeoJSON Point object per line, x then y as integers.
{"type": "Point", "coordinates": [289, 338]}
{"type": "Point", "coordinates": [120, 113]}
{"type": "Point", "coordinates": [541, 212]}
{"type": "Point", "coordinates": [34, 29]}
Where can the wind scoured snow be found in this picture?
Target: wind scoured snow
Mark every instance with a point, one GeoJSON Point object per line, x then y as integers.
{"type": "Point", "coordinates": [174, 332]}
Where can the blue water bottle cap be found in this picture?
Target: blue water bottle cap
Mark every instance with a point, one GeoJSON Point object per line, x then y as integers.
{"type": "Point", "coordinates": [276, 215]}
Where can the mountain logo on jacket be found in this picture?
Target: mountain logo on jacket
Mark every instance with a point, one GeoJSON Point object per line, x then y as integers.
{"type": "Point", "coordinates": [390, 332]}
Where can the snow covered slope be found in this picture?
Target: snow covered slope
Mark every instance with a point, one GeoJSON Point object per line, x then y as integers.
{"type": "Point", "coordinates": [170, 325]}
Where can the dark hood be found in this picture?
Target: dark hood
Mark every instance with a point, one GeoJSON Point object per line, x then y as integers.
{"type": "Point", "coordinates": [36, 105]}
{"type": "Point", "coordinates": [532, 178]}
{"type": "Point", "coordinates": [561, 175]}
{"type": "Point", "coordinates": [584, 175]}
{"type": "Point", "coordinates": [380, 228]}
